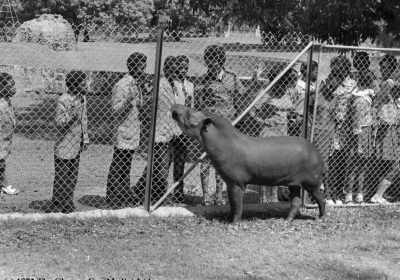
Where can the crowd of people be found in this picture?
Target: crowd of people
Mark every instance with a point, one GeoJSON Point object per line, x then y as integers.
{"type": "Point", "coordinates": [354, 121]}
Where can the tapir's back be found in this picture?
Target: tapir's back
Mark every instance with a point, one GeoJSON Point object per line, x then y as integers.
{"type": "Point", "coordinates": [280, 157]}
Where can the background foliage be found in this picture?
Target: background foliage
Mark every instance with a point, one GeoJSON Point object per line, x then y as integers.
{"type": "Point", "coordinates": [334, 21]}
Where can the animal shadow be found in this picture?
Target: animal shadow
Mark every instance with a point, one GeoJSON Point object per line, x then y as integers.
{"type": "Point", "coordinates": [279, 210]}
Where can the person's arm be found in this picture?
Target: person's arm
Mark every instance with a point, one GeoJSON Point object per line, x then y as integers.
{"type": "Point", "coordinates": [6, 125]}
{"type": "Point", "coordinates": [66, 113]}
{"type": "Point", "coordinates": [164, 120]}
{"type": "Point", "coordinates": [122, 96]}
{"type": "Point", "coordinates": [383, 95]}
{"type": "Point", "coordinates": [329, 86]}
{"type": "Point", "coordinates": [190, 94]}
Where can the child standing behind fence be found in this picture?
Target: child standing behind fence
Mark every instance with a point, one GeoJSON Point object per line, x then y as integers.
{"type": "Point", "coordinates": [184, 91]}
{"type": "Point", "coordinates": [361, 136]}
{"type": "Point", "coordinates": [7, 125]}
{"type": "Point", "coordinates": [336, 91]}
{"type": "Point", "coordinates": [72, 126]}
{"type": "Point", "coordinates": [387, 103]}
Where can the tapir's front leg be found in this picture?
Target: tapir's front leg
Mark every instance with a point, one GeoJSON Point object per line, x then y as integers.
{"type": "Point", "coordinates": [235, 197]}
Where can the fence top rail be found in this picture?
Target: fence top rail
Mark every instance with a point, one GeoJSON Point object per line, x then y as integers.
{"type": "Point", "coordinates": [360, 48]}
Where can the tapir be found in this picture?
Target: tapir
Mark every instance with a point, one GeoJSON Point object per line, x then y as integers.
{"type": "Point", "coordinates": [241, 159]}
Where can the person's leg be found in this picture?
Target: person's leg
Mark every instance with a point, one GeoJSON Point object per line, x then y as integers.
{"type": "Point", "coordinates": [360, 177]}
{"type": "Point", "coordinates": [4, 185]}
{"type": "Point", "coordinates": [3, 179]}
{"type": "Point", "coordinates": [322, 140]}
{"type": "Point", "coordinates": [113, 178]}
{"type": "Point", "coordinates": [219, 184]}
{"type": "Point", "coordinates": [351, 181]}
{"type": "Point", "coordinates": [386, 153]}
{"type": "Point", "coordinates": [118, 177]}
{"type": "Point", "coordinates": [339, 175]}
{"type": "Point", "coordinates": [353, 165]}
{"type": "Point", "coordinates": [162, 155]}
{"type": "Point", "coordinates": [72, 169]}
{"type": "Point", "coordinates": [60, 185]}
{"type": "Point", "coordinates": [125, 195]}
{"type": "Point", "coordinates": [179, 147]}
{"type": "Point", "coordinates": [385, 184]}
{"type": "Point", "coordinates": [161, 163]}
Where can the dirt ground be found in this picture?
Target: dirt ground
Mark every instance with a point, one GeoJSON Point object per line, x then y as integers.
{"type": "Point", "coordinates": [352, 243]}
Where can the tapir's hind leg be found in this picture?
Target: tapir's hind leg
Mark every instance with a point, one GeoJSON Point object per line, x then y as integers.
{"type": "Point", "coordinates": [295, 202]}
{"type": "Point", "coordinates": [235, 197]}
{"type": "Point", "coordinates": [317, 194]}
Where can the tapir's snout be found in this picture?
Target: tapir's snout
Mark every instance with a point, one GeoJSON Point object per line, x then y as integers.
{"type": "Point", "coordinates": [188, 120]}
{"type": "Point", "coordinates": [178, 111]}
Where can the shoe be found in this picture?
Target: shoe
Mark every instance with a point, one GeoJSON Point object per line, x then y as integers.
{"type": "Point", "coordinates": [349, 198]}
{"type": "Point", "coordinates": [359, 198]}
{"type": "Point", "coordinates": [338, 202]}
{"type": "Point", "coordinates": [329, 202]}
{"type": "Point", "coordinates": [9, 190]}
{"type": "Point", "coordinates": [379, 200]}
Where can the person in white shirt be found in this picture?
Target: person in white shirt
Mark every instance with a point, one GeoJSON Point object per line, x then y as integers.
{"type": "Point", "coordinates": [127, 95]}
{"type": "Point", "coordinates": [184, 93]}
{"type": "Point", "coordinates": [170, 92]}
{"type": "Point", "coordinates": [219, 92]}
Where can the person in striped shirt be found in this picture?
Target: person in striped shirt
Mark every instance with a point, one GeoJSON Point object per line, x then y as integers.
{"type": "Point", "coordinates": [72, 139]}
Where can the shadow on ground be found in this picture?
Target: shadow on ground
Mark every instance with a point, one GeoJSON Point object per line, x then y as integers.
{"type": "Point", "coordinates": [41, 205]}
{"type": "Point", "coordinates": [262, 211]}
{"type": "Point", "coordinates": [95, 201]}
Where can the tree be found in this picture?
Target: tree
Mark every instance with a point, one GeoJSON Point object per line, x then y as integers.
{"type": "Point", "coordinates": [333, 21]}
{"type": "Point", "coordinates": [340, 21]}
{"type": "Point", "coordinates": [122, 12]}
{"type": "Point", "coordinates": [390, 13]}
{"type": "Point", "coordinates": [180, 15]}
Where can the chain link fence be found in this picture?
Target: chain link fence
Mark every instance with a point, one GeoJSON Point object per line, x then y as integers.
{"type": "Point", "coordinates": [356, 124]}
{"type": "Point", "coordinates": [76, 132]}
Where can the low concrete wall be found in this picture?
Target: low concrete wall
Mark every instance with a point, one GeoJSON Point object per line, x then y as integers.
{"type": "Point", "coordinates": [53, 80]}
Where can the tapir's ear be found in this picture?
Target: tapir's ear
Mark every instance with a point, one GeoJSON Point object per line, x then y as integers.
{"type": "Point", "coordinates": [206, 121]}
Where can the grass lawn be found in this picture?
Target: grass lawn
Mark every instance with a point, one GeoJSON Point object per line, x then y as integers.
{"type": "Point", "coordinates": [353, 243]}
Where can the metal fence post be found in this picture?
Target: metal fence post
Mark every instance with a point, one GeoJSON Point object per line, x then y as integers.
{"type": "Point", "coordinates": [150, 157]}
{"type": "Point", "coordinates": [306, 107]}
